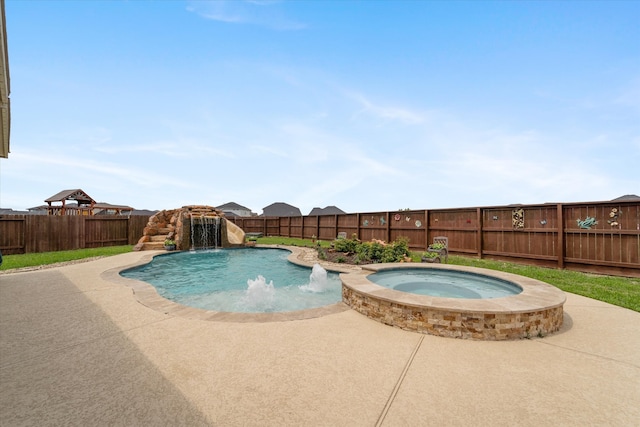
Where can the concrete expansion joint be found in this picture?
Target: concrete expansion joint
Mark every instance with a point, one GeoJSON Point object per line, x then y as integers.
{"type": "Point", "coordinates": [393, 394]}
{"type": "Point", "coordinates": [588, 353]}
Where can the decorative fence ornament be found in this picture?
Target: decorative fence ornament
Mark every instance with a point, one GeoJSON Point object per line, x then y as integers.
{"type": "Point", "coordinates": [517, 218]}
{"type": "Point", "coordinates": [586, 223]}
{"type": "Point", "coordinates": [613, 215]}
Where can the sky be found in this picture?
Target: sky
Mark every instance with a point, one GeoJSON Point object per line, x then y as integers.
{"type": "Point", "coordinates": [365, 105]}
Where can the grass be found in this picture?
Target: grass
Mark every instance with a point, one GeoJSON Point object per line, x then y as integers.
{"type": "Point", "coordinates": [292, 241]}
{"type": "Point", "coordinates": [44, 258]}
{"type": "Point", "coordinates": [620, 291]}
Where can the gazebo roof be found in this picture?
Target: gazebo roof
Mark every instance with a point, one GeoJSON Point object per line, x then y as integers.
{"type": "Point", "coordinates": [78, 195]}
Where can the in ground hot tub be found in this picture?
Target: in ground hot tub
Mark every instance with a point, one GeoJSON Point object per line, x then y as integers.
{"type": "Point", "coordinates": [529, 308]}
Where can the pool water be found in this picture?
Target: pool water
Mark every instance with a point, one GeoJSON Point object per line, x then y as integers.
{"type": "Point", "coordinates": [251, 280]}
{"type": "Point", "coordinates": [444, 283]}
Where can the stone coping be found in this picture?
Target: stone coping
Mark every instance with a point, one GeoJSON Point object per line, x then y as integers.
{"type": "Point", "coordinates": [535, 295]}
{"type": "Point", "coordinates": [147, 295]}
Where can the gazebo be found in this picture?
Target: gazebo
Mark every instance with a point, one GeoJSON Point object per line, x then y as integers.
{"type": "Point", "coordinates": [84, 203]}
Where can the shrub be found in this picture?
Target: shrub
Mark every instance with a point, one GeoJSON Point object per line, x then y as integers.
{"type": "Point", "coordinates": [346, 245]}
{"type": "Point", "coordinates": [374, 251]}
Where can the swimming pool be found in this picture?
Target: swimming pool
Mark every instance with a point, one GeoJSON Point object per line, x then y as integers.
{"type": "Point", "coordinates": [247, 280]}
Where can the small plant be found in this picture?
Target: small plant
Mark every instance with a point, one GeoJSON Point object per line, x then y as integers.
{"type": "Point", "coordinates": [169, 242]}
{"type": "Point", "coordinates": [429, 255]}
{"type": "Point", "coordinates": [346, 245]}
{"type": "Point", "coordinates": [341, 259]}
{"type": "Point", "coordinates": [437, 246]}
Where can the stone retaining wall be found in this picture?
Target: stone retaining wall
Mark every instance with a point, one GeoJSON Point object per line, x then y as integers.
{"type": "Point", "coordinates": [456, 324]}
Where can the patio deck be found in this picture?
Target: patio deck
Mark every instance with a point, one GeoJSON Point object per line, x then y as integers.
{"type": "Point", "coordinates": [77, 348]}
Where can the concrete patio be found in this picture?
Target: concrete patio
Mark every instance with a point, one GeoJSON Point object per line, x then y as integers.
{"type": "Point", "coordinates": [77, 348]}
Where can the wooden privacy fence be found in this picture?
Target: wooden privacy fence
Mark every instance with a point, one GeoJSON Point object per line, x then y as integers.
{"type": "Point", "coordinates": [602, 237]}
{"type": "Point", "coordinates": [20, 234]}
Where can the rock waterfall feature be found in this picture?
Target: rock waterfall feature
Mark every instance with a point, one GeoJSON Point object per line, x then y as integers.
{"type": "Point", "coordinates": [190, 227]}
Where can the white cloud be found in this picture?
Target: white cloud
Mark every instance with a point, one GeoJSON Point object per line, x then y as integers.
{"type": "Point", "coordinates": [268, 14]}
{"type": "Point", "coordinates": [38, 165]}
{"type": "Point", "coordinates": [387, 112]}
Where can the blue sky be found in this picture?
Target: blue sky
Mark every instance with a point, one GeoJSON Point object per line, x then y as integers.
{"type": "Point", "coordinates": [366, 105]}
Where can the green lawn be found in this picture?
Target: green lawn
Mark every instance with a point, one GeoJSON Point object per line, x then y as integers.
{"type": "Point", "coordinates": [620, 291]}
{"type": "Point", "coordinates": [44, 258]}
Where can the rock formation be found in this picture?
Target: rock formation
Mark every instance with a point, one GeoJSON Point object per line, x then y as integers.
{"type": "Point", "coordinates": [176, 225]}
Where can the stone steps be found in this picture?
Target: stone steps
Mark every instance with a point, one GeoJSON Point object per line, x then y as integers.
{"type": "Point", "coordinates": [152, 246]}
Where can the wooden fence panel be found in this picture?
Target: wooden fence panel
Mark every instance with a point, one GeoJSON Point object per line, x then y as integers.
{"type": "Point", "coordinates": [408, 224]}
{"type": "Point", "coordinates": [348, 224]}
{"type": "Point", "coordinates": [272, 227]}
{"type": "Point", "coordinates": [48, 233]}
{"type": "Point", "coordinates": [602, 234]}
{"type": "Point", "coordinates": [372, 226]}
{"type": "Point", "coordinates": [309, 227]}
{"type": "Point", "coordinates": [108, 231]}
{"type": "Point", "coordinates": [459, 226]}
{"type": "Point", "coordinates": [12, 234]}
{"type": "Point", "coordinates": [328, 227]}
{"type": "Point", "coordinates": [295, 226]}
{"type": "Point", "coordinates": [137, 223]}
{"type": "Point", "coordinates": [284, 225]}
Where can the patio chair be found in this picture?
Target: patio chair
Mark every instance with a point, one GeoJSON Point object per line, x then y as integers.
{"type": "Point", "coordinates": [442, 240]}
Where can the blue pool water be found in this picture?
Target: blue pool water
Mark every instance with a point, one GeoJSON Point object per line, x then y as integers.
{"type": "Point", "coordinates": [444, 283]}
{"type": "Point", "coordinates": [248, 280]}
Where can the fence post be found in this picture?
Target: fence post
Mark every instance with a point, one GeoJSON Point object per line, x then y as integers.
{"type": "Point", "coordinates": [426, 229]}
{"type": "Point", "coordinates": [82, 231]}
{"type": "Point", "coordinates": [388, 235]}
{"type": "Point", "coordinates": [479, 240]}
{"type": "Point", "coordinates": [560, 228]}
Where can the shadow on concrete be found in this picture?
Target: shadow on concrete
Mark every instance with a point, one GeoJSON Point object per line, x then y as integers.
{"type": "Point", "coordinates": [63, 361]}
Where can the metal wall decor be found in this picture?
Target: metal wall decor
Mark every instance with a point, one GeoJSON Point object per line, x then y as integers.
{"type": "Point", "coordinates": [517, 218]}
{"type": "Point", "coordinates": [586, 223]}
{"type": "Point", "coordinates": [613, 218]}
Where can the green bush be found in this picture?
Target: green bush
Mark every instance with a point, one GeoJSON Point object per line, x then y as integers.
{"type": "Point", "coordinates": [346, 245]}
{"type": "Point", "coordinates": [374, 251]}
